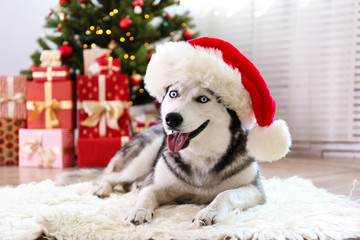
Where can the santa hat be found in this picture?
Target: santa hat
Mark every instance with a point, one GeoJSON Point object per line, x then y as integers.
{"type": "Point", "coordinates": [221, 68]}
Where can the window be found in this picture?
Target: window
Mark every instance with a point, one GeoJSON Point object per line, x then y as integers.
{"type": "Point", "coordinates": [308, 52]}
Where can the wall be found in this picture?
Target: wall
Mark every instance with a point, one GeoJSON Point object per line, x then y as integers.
{"type": "Point", "coordinates": [21, 23]}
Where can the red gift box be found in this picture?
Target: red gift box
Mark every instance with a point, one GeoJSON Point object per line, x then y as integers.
{"type": "Point", "coordinates": [143, 121]}
{"type": "Point", "coordinates": [46, 148]}
{"type": "Point", "coordinates": [90, 151]}
{"type": "Point", "coordinates": [109, 65]}
{"type": "Point", "coordinates": [50, 105]}
{"type": "Point", "coordinates": [9, 146]}
{"type": "Point", "coordinates": [103, 106]}
{"type": "Point", "coordinates": [42, 74]}
{"type": "Point", "coordinates": [12, 97]}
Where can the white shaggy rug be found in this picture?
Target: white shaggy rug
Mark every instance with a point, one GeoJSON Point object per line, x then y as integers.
{"type": "Point", "coordinates": [295, 210]}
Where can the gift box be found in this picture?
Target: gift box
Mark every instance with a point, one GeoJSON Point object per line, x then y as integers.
{"type": "Point", "coordinates": [50, 58]}
{"type": "Point", "coordinates": [143, 121]}
{"type": "Point", "coordinates": [12, 97]}
{"type": "Point", "coordinates": [42, 74]}
{"type": "Point", "coordinates": [49, 148]}
{"type": "Point", "coordinates": [90, 151]}
{"type": "Point", "coordinates": [90, 55]}
{"type": "Point", "coordinates": [105, 65]}
{"type": "Point", "coordinates": [50, 105]}
{"type": "Point", "coordinates": [9, 147]}
{"type": "Point", "coordinates": [102, 105]}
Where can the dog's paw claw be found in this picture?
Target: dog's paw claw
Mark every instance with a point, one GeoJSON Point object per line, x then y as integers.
{"type": "Point", "coordinates": [103, 191]}
{"type": "Point", "coordinates": [139, 216]}
{"type": "Point", "coordinates": [207, 217]}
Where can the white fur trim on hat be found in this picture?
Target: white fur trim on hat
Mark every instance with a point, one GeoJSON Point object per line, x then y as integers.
{"type": "Point", "coordinates": [269, 143]}
{"type": "Point", "coordinates": [180, 62]}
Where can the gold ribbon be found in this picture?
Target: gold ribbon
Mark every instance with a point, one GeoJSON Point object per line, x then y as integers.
{"type": "Point", "coordinates": [45, 155]}
{"type": "Point", "coordinates": [112, 110]}
{"type": "Point", "coordinates": [18, 98]}
{"type": "Point", "coordinates": [50, 73]}
{"type": "Point", "coordinates": [49, 105]}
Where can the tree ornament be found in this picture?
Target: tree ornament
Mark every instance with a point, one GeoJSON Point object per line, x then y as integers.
{"type": "Point", "coordinates": [125, 23]}
{"type": "Point", "coordinates": [50, 13]}
{"type": "Point", "coordinates": [61, 2]}
{"type": "Point", "coordinates": [59, 27]}
{"type": "Point", "coordinates": [188, 34]}
{"type": "Point", "coordinates": [84, 1]}
{"type": "Point", "coordinates": [65, 50]}
{"type": "Point", "coordinates": [168, 16]}
{"type": "Point", "coordinates": [137, 4]}
{"type": "Point", "coordinates": [136, 79]}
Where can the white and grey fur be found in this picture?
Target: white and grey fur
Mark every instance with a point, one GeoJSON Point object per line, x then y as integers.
{"type": "Point", "coordinates": [213, 167]}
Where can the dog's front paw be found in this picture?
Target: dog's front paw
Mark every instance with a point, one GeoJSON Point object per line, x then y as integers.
{"type": "Point", "coordinates": [138, 216]}
{"type": "Point", "coordinates": [103, 191]}
{"type": "Point", "coordinates": [208, 216]}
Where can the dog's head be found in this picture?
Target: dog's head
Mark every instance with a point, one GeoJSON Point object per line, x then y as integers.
{"type": "Point", "coordinates": [193, 117]}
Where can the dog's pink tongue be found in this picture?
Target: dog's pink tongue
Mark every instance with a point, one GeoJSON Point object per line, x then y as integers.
{"type": "Point", "coordinates": [176, 141]}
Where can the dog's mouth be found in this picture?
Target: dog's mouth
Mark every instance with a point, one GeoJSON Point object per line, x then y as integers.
{"type": "Point", "coordinates": [177, 140]}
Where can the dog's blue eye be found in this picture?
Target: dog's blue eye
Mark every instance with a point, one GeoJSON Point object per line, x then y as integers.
{"type": "Point", "coordinates": [173, 94]}
{"type": "Point", "coordinates": [202, 99]}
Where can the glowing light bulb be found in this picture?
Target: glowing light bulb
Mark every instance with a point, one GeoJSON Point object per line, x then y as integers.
{"type": "Point", "coordinates": [132, 57]}
{"type": "Point", "coordinates": [92, 28]}
{"type": "Point", "coordinates": [126, 56]}
{"type": "Point", "coordinates": [85, 45]}
{"type": "Point", "coordinates": [111, 14]}
{"type": "Point", "coordinates": [146, 16]}
{"type": "Point", "coordinates": [108, 31]}
{"type": "Point", "coordinates": [93, 45]}
{"type": "Point", "coordinates": [115, 11]}
{"type": "Point", "coordinates": [122, 39]}
{"type": "Point", "coordinates": [141, 90]}
{"type": "Point", "coordinates": [111, 58]}
{"type": "Point", "coordinates": [131, 38]}
{"type": "Point", "coordinates": [183, 24]}
{"type": "Point", "coordinates": [128, 34]}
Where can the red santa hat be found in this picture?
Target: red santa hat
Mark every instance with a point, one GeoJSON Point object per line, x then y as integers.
{"type": "Point", "coordinates": [220, 67]}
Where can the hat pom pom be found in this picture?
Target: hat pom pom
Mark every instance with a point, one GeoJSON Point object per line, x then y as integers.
{"type": "Point", "coordinates": [271, 143]}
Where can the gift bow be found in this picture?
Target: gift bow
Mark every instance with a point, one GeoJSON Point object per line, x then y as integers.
{"type": "Point", "coordinates": [45, 154]}
{"type": "Point", "coordinates": [18, 98]}
{"type": "Point", "coordinates": [112, 110]}
{"type": "Point", "coordinates": [49, 107]}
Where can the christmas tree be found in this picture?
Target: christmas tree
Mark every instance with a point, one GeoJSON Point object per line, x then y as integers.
{"type": "Point", "coordinates": [128, 28]}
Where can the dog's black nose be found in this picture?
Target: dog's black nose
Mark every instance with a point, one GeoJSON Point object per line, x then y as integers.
{"type": "Point", "coordinates": [173, 119]}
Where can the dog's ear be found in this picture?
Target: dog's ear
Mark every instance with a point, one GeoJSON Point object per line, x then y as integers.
{"type": "Point", "coordinates": [267, 144]}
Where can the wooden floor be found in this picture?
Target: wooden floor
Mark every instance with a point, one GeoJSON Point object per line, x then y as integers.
{"type": "Point", "coordinates": [335, 175]}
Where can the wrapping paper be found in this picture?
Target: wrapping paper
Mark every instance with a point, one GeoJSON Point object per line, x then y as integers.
{"type": "Point", "coordinates": [50, 148]}
{"type": "Point", "coordinates": [141, 122]}
{"type": "Point", "coordinates": [42, 74]}
{"type": "Point", "coordinates": [9, 148]}
{"type": "Point", "coordinates": [12, 97]}
{"type": "Point", "coordinates": [103, 106]}
{"type": "Point", "coordinates": [50, 105]}
{"type": "Point", "coordinates": [107, 66]}
{"type": "Point", "coordinates": [90, 151]}
{"type": "Point", "coordinates": [90, 55]}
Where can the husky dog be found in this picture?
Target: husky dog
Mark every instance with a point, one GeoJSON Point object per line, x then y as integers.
{"type": "Point", "coordinates": [197, 155]}
{"type": "Point", "coordinates": [205, 147]}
